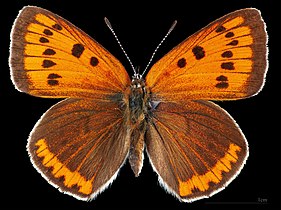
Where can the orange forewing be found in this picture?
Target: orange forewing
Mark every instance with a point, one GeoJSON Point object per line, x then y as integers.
{"type": "Point", "coordinates": [226, 60]}
{"type": "Point", "coordinates": [50, 57]}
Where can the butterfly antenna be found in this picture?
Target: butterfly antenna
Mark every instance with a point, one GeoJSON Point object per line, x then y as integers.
{"type": "Point", "coordinates": [153, 54]}
{"type": "Point", "coordinates": [111, 29]}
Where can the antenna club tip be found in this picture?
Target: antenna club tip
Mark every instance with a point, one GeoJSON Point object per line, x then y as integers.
{"type": "Point", "coordinates": [173, 25]}
{"type": "Point", "coordinates": [107, 22]}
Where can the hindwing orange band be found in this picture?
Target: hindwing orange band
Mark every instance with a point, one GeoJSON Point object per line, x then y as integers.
{"type": "Point", "coordinates": [71, 178]}
{"type": "Point", "coordinates": [202, 182]}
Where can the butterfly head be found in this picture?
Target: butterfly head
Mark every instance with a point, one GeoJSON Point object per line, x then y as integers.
{"type": "Point", "coordinates": [137, 81]}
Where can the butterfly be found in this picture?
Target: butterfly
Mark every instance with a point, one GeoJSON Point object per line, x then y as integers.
{"type": "Point", "coordinates": [107, 118]}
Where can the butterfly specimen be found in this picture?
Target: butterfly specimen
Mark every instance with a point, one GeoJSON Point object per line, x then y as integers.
{"type": "Point", "coordinates": [80, 143]}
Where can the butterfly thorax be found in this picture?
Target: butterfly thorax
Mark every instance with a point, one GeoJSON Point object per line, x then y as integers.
{"type": "Point", "coordinates": [137, 111]}
{"type": "Point", "coordinates": [137, 100]}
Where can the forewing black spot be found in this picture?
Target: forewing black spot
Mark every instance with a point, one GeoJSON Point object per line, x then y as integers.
{"type": "Point", "coordinates": [229, 34]}
{"type": "Point", "coordinates": [233, 43]}
{"type": "Point", "coordinates": [227, 54]}
{"type": "Point", "coordinates": [198, 52]}
{"type": "Point", "coordinates": [52, 79]}
{"type": "Point", "coordinates": [49, 52]}
{"type": "Point", "coordinates": [220, 29]}
{"type": "Point", "coordinates": [57, 26]}
{"type": "Point", "coordinates": [43, 40]}
{"type": "Point", "coordinates": [94, 61]}
{"type": "Point", "coordinates": [228, 66]}
{"type": "Point", "coordinates": [48, 63]}
{"type": "Point", "coordinates": [222, 85]}
{"type": "Point", "coordinates": [77, 50]}
{"type": "Point", "coordinates": [181, 63]}
{"type": "Point", "coordinates": [54, 76]}
{"type": "Point", "coordinates": [48, 32]}
{"type": "Point", "coordinates": [221, 78]}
